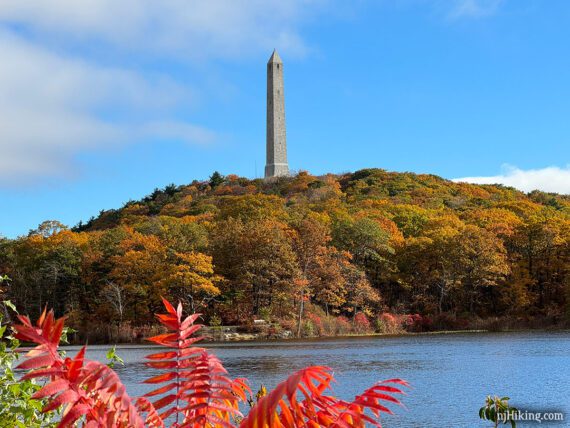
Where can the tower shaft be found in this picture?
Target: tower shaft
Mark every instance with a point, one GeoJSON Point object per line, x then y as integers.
{"type": "Point", "coordinates": [276, 162]}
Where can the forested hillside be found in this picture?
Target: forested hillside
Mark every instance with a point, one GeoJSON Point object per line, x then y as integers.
{"type": "Point", "coordinates": [359, 251]}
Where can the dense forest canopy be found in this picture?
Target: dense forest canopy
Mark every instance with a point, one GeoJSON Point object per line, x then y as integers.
{"type": "Point", "coordinates": [299, 249]}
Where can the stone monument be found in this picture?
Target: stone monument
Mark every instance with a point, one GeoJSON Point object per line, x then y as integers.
{"type": "Point", "coordinates": [276, 163]}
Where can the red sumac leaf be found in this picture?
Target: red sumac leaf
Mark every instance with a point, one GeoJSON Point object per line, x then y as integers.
{"type": "Point", "coordinates": [164, 401]}
{"type": "Point", "coordinates": [37, 362]}
{"type": "Point", "coordinates": [43, 373]}
{"type": "Point", "coordinates": [189, 320]}
{"type": "Point", "coordinates": [162, 355]}
{"type": "Point", "coordinates": [75, 412]}
{"type": "Point", "coordinates": [162, 364]}
{"type": "Point", "coordinates": [169, 308]}
{"type": "Point", "coordinates": [161, 390]}
{"type": "Point", "coordinates": [52, 388]}
{"type": "Point", "coordinates": [76, 364]}
{"type": "Point", "coordinates": [67, 396]}
{"type": "Point", "coordinates": [162, 378]}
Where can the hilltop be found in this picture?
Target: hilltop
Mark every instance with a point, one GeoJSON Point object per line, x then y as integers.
{"type": "Point", "coordinates": [430, 192]}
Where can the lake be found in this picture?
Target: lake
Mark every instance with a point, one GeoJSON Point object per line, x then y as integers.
{"type": "Point", "coordinates": [451, 373]}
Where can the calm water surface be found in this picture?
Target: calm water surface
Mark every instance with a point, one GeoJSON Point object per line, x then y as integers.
{"type": "Point", "coordinates": [450, 374]}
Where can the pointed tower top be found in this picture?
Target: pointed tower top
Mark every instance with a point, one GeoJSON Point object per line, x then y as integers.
{"type": "Point", "coordinates": [275, 58]}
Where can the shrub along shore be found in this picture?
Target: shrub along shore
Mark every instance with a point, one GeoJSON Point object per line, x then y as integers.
{"type": "Point", "coordinates": [327, 330]}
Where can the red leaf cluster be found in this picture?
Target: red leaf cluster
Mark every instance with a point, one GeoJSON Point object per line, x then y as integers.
{"type": "Point", "coordinates": [300, 401]}
{"type": "Point", "coordinates": [88, 390]}
{"type": "Point", "coordinates": [197, 391]}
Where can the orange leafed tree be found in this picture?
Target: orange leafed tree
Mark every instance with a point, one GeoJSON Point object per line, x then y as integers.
{"type": "Point", "coordinates": [195, 388]}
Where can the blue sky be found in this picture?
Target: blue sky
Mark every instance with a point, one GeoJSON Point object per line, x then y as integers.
{"type": "Point", "coordinates": [102, 101]}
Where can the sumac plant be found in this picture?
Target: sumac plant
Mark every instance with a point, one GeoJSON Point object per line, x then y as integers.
{"type": "Point", "coordinates": [193, 388]}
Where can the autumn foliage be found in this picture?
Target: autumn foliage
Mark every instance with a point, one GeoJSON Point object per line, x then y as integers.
{"type": "Point", "coordinates": [196, 390]}
{"type": "Point", "coordinates": [301, 251]}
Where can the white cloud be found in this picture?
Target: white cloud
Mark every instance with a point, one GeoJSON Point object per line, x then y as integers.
{"type": "Point", "coordinates": [549, 179]}
{"type": "Point", "coordinates": [474, 8]}
{"type": "Point", "coordinates": [184, 28]}
{"type": "Point", "coordinates": [64, 87]}
{"type": "Point", "coordinates": [49, 110]}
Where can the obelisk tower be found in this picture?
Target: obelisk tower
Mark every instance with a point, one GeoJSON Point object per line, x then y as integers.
{"type": "Point", "coordinates": [276, 164]}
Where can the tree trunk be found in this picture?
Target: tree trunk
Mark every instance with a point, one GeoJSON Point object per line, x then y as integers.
{"type": "Point", "coordinates": [301, 309]}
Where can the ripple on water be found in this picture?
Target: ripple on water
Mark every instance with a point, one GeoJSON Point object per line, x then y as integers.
{"type": "Point", "coordinates": [450, 374]}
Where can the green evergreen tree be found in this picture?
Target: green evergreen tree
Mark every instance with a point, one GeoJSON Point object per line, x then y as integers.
{"type": "Point", "coordinates": [216, 179]}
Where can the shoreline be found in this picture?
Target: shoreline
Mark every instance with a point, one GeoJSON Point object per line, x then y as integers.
{"type": "Point", "coordinates": [393, 335]}
{"type": "Point", "coordinates": [249, 338]}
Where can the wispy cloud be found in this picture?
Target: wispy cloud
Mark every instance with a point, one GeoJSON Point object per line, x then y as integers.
{"type": "Point", "coordinates": [549, 179]}
{"type": "Point", "coordinates": [187, 29]}
{"type": "Point", "coordinates": [59, 96]}
{"type": "Point", "coordinates": [474, 8]}
{"type": "Point", "coordinates": [50, 110]}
